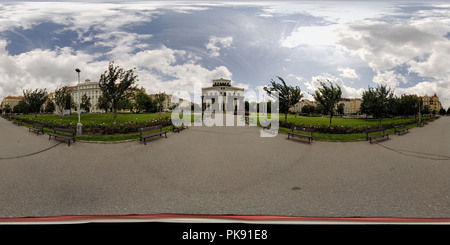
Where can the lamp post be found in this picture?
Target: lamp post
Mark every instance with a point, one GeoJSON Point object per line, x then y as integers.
{"type": "Point", "coordinates": [79, 125]}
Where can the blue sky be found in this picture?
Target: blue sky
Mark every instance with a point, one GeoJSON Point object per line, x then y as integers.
{"type": "Point", "coordinates": [176, 45]}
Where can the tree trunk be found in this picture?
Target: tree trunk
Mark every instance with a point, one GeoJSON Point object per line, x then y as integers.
{"type": "Point", "coordinates": [115, 114]}
{"type": "Point", "coordinates": [285, 117]}
{"type": "Point", "coordinates": [331, 115]}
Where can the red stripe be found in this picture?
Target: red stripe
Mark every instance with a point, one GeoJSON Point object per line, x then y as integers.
{"type": "Point", "coordinates": [262, 218]}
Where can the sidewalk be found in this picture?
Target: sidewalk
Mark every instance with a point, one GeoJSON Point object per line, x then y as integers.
{"type": "Point", "coordinates": [227, 170]}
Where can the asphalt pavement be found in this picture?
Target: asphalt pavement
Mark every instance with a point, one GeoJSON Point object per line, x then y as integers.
{"type": "Point", "coordinates": [227, 170]}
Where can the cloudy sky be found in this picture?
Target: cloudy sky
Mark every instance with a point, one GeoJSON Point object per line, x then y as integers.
{"type": "Point", "coordinates": [177, 45]}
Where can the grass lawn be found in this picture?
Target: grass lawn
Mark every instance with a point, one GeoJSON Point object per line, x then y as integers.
{"type": "Point", "coordinates": [339, 121]}
{"type": "Point", "coordinates": [108, 118]}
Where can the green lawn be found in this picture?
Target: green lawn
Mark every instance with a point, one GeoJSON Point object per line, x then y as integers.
{"type": "Point", "coordinates": [141, 117]}
{"type": "Point", "coordinates": [106, 118]}
{"type": "Point", "coordinates": [338, 121]}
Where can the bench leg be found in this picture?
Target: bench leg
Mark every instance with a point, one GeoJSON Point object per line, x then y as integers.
{"type": "Point", "coordinates": [165, 134]}
{"type": "Point", "coordinates": [145, 141]}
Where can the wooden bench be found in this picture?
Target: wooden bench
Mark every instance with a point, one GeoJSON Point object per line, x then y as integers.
{"type": "Point", "coordinates": [178, 126]}
{"type": "Point", "coordinates": [57, 134]}
{"type": "Point", "coordinates": [17, 122]}
{"type": "Point", "coordinates": [309, 130]}
{"type": "Point", "coordinates": [37, 128]}
{"type": "Point", "coordinates": [399, 129]}
{"type": "Point", "coordinates": [379, 135]}
{"type": "Point", "coordinates": [148, 129]}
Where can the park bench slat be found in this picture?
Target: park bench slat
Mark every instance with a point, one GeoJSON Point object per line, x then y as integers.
{"type": "Point", "coordinates": [373, 136]}
{"type": "Point", "coordinates": [37, 128]}
{"type": "Point", "coordinates": [57, 134]}
{"type": "Point", "coordinates": [309, 136]}
{"type": "Point", "coordinates": [143, 136]}
{"type": "Point", "coordinates": [400, 128]}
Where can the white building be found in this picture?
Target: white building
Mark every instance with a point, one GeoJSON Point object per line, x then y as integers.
{"type": "Point", "coordinates": [299, 105]}
{"type": "Point", "coordinates": [222, 97]}
{"type": "Point", "coordinates": [92, 90]}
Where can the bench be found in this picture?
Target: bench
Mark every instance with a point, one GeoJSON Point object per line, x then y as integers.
{"type": "Point", "coordinates": [18, 122]}
{"type": "Point", "coordinates": [148, 129]}
{"type": "Point", "coordinates": [57, 134]}
{"type": "Point", "coordinates": [37, 128]}
{"type": "Point", "coordinates": [309, 130]}
{"type": "Point", "coordinates": [178, 125]}
{"type": "Point", "coordinates": [400, 128]}
{"type": "Point", "coordinates": [379, 135]}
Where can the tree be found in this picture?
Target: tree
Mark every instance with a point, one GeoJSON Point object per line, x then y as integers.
{"type": "Point", "coordinates": [7, 109]}
{"type": "Point", "coordinates": [442, 112]}
{"type": "Point", "coordinates": [287, 95]}
{"type": "Point", "coordinates": [159, 101]}
{"type": "Point", "coordinates": [328, 97]}
{"type": "Point", "coordinates": [126, 104]}
{"type": "Point", "coordinates": [425, 110]}
{"type": "Point", "coordinates": [340, 108]}
{"type": "Point", "coordinates": [85, 103]}
{"type": "Point", "coordinates": [63, 99]}
{"type": "Point", "coordinates": [103, 103]}
{"type": "Point", "coordinates": [117, 85]}
{"type": "Point", "coordinates": [308, 109]}
{"type": "Point", "coordinates": [409, 105]}
{"type": "Point", "coordinates": [375, 101]}
{"type": "Point", "coordinates": [35, 99]}
{"type": "Point", "coordinates": [143, 102]}
{"type": "Point", "coordinates": [22, 107]}
{"type": "Point", "coordinates": [49, 106]}
{"type": "Point", "coordinates": [448, 111]}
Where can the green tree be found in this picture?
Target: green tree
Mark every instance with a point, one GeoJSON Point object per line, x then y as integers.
{"type": "Point", "coordinates": [103, 103]}
{"type": "Point", "coordinates": [49, 106]}
{"type": "Point", "coordinates": [63, 99]}
{"type": "Point", "coordinates": [340, 109]}
{"type": "Point", "coordinates": [409, 105]}
{"type": "Point", "coordinates": [35, 99]}
{"type": "Point", "coordinates": [159, 101]}
{"type": "Point", "coordinates": [85, 103]}
{"type": "Point", "coordinates": [425, 110]}
{"type": "Point", "coordinates": [143, 102]}
{"type": "Point", "coordinates": [286, 95]}
{"type": "Point", "coordinates": [328, 97]}
{"type": "Point", "coordinates": [126, 104]}
{"type": "Point", "coordinates": [375, 101]}
{"type": "Point", "coordinates": [117, 85]}
{"type": "Point", "coordinates": [7, 109]}
{"type": "Point", "coordinates": [22, 107]}
{"type": "Point", "coordinates": [442, 112]}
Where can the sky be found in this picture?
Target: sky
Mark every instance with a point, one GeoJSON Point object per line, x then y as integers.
{"type": "Point", "coordinates": [183, 45]}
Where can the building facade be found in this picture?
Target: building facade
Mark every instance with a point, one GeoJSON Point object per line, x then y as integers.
{"type": "Point", "coordinates": [222, 97]}
{"type": "Point", "coordinates": [432, 102]}
{"type": "Point", "coordinates": [299, 105]}
{"type": "Point", "coordinates": [11, 101]}
{"type": "Point", "coordinates": [92, 90]}
{"type": "Point", "coordinates": [352, 106]}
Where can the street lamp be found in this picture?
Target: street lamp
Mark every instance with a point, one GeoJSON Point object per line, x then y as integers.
{"type": "Point", "coordinates": [79, 125]}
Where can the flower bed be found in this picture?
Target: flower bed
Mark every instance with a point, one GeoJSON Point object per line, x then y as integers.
{"type": "Point", "coordinates": [103, 128]}
{"type": "Point", "coordinates": [339, 129]}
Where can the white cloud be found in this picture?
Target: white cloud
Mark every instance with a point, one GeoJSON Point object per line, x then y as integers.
{"type": "Point", "coordinates": [347, 92]}
{"type": "Point", "coordinates": [389, 78]}
{"type": "Point", "coordinates": [215, 44]}
{"type": "Point", "coordinates": [348, 73]}
{"type": "Point", "coordinates": [310, 35]}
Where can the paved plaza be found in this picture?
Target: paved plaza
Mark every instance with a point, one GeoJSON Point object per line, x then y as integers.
{"type": "Point", "coordinates": [227, 170]}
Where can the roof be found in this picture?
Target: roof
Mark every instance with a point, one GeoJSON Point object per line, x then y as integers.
{"type": "Point", "coordinates": [14, 97]}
